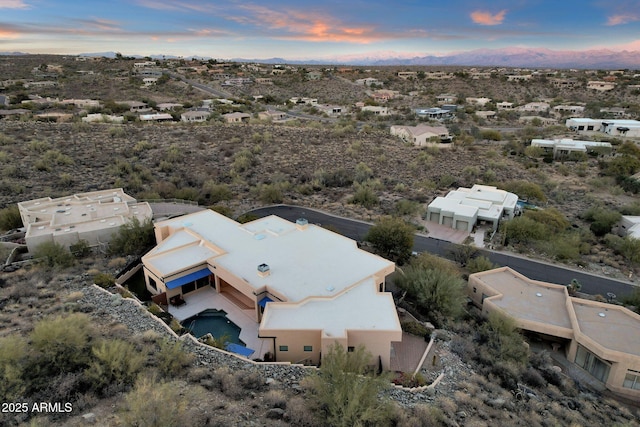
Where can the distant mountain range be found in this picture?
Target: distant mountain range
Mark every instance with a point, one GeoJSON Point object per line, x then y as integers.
{"type": "Point", "coordinates": [507, 57]}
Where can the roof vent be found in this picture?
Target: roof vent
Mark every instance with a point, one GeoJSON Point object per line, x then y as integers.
{"type": "Point", "coordinates": [263, 270]}
{"type": "Point", "coordinates": [602, 314]}
{"type": "Point", "coordinates": [302, 223]}
{"type": "Point", "coordinates": [538, 294]}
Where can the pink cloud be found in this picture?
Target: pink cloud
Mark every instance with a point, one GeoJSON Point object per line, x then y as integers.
{"type": "Point", "coordinates": [13, 4]}
{"type": "Point", "coordinates": [622, 19]}
{"type": "Point", "coordinates": [486, 18]}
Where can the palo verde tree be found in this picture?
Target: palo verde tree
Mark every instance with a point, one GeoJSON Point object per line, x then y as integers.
{"type": "Point", "coordinates": [392, 238]}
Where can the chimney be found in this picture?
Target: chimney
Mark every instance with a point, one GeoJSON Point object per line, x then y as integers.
{"type": "Point", "coordinates": [263, 270]}
{"type": "Point", "coordinates": [302, 223]}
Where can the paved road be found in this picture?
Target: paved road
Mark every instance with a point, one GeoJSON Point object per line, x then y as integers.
{"type": "Point", "coordinates": [354, 229]}
{"type": "Point", "coordinates": [217, 92]}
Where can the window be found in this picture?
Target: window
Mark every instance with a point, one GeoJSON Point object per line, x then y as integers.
{"type": "Point", "coordinates": [284, 348]}
{"type": "Point", "coordinates": [308, 348]}
{"type": "Point", "coordinates": [592, 364]}
{"type": "Point", "coordinates": [351, 349]}
{"type": "Point", "coordinates": [632, 380]}
{"type": "Point", "coordinates": [474, 289]}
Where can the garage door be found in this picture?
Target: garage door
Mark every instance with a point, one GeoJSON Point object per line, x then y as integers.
{"type": "Point", "coordinates": [462, 225]}
{"type": "Point", "coordinates": [447, 220]}
{"type": "Point", "coordinates": [434, 217]}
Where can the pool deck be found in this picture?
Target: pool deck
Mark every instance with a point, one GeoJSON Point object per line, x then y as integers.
{"type": "Point", "coordinates": [207, 298]}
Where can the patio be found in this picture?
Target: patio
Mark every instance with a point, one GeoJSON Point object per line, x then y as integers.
{"type": "Point", "coordinates": [206, 298]}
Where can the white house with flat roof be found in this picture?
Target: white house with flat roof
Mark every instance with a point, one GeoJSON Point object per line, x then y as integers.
{"type": "Point", "coordinates": [613, 127]}
{"type": "Point", "coordinates": [463, 208]}
{"type": "Point", "coordinates": [306, 286]}
{"type": "Point", "coordinates": [565, 146]}
{"type": "Point", "coordinates": [602, 339]}
{"type": "Point", "coordinates": [93, 217]}
{"type": "Point", "coordinates": [629, 226]}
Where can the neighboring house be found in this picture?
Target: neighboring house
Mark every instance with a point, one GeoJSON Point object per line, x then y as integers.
{"type": "Point", "coordinates": [629, 225]}
{"type": "Point", "coordinates": [164, 106]}
{"type": "Point", "coordinates": [102, 118]}
{"type": "Point", "coordinates": [600, 338]}
{"type": "Point", "coordinates": [477, 75]}
{"type": "Point", "coordinates": [576, 110]}
{"type": "Point", "coordinates": [437, 75]}
{"type": "Point", "coordinates": [313, 75]}
{"type": "Point", "coordinates": [149, 81]}
{"type": "Point", "coordinates": [14, 112]}
{"type": "Point", "coordinates": [600, 85]}
{"type": "Point", "coordinates": [519, 78]}
{"type": "Point", "coordinates": [82, 103]}
{"type": "Point", "coordinates": [156, 117]}
{"type": "Point", "coordinates": [536, 107]}
{"type": "Point", "coordinates": [144, 64]}
{"type": "Point", "coordinates": [306, 101]}
{"type": "Point", "coordinates": [617, 112]}
{"type": "Point", "coordinates": [368, 81]}
{"type": "Point", "coordinates": [330, 110]}
{"type": "Point", "coordinates": [137, 106]}
{"type": "Point", "coordinates": [447, 98]}
{"type": "Point", "coordinates": [237, 117]}
{"type": "Point", "coordinates": [434, 113]}
{"type": "Point", "coordinates": [264, 81]}
{"type": "Point", "coordinates": [565, 146]}
{"type": "Point", "coordinates": [613, 127]}
{"type": "Point", "coordinates": [383, 95]}
{"type": "Point", "coordinates": [54, 117]}
{"type": "Point", "coordinates": [488, 114]}
{"type": "Point", "coordinates": [564, 83]}
{"type": "Point", "coordinates": [195, 116]}
{"type": "Point", "coordinates": [93, 217]}
{"type": "Point", "coordinates": [423, 135]}
{"type": "Point", "coordinates": [376, 110]}
{"type": "Point", "coordinates": [272, 115]}
{"type": "Point", "coordinates": [463, 208]}
{"type": "Point", "coordinates": [504, 106]}
{"type": "Point", "coordinates": [305, 286]}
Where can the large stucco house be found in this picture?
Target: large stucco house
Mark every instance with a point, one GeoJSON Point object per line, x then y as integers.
{"type": "Point", "coordinates": [603, 339]}
{"type": "Point", "coordinates": [463, 208]}
{"type": "Point", "coordinates": [423, 135]}
{"type": "Point", "coordinates": [305, 286]}
{"type": "Point", "coordinates": [92, 217]}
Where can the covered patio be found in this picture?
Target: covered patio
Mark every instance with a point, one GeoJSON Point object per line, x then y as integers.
{"type": "Point", "coordinates": [206, 298]}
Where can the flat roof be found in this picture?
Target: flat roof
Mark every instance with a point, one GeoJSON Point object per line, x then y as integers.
{"type": "Point", "coordinates": [522, 298]}
{"type": "Point", "coordinates": [303, 261]}
{"type": "Point", "coordinates": [611, 326]}
{"type": "Point", "coordinates": [335, 315]}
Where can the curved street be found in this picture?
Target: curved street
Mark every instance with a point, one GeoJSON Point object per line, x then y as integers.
{"type": "Point", "coordinates": [537, 270]}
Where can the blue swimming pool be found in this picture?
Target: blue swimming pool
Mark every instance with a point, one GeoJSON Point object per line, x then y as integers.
{"type": "Point", "coordinates": [214, 322]}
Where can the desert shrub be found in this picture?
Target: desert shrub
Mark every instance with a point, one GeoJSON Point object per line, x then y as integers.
{"type": "Point", "coordinates": [564, 247]}
{"type": "Point", "coordinates": [275, 399]}
{"type": "Point", "coordinates": [364, 196]}
{"type": "Point", "coordinates": [480, 263]}
{"type": "Point", "coordinates": [552, 218]}
{"type": "Point", "coordinates": [187, 193]}
{"type": "Point", "coordinates": [523, 230]}
{"type": "Point", "coordinates": [52, 254]}
{"type": "Point", "coordinates": [172, 358]}
{"type": "Point", "coordinates": [602, 219]}
{"type": "Point", "coordinates": [114, 362]}
{"type": "Point", "coordinates": [491, 135]}
{"type": "Point", "coordinates": [363, 173]}
{"type": "Point", "coordinates": [438, 294]}
{"type": "Point", "coordinates": [427, 260]}
{"type": "Point", "coordinates": [10, 218]}
{"type": "Point", "coordinates": [344, 394]}
{"type": "Point", "coordinates": [462, 253]}
{"type": "Point", "coordinates": [405, 207]}
{"type": "Point", "coordinates": [13, 354]}
{"type": "Point", "coordinates": [80, 249]}
{"type": "Point", "coordinates": [271, 193]}
{"type": "Point", "coordinates": [525, 189]}
{"type": "Point", "coordinates": [215, 193]}
{"type": "Point", "coordinates": [155, 404]}
{"type": "Point", "coordinates": [133, 238]}
{"type": "Point", "coordinates": [633, 299]}
{"type": "Point", "coordinates": [104, 280]}
{"type": "Point", "coordinates": [500, 336]}
{"type": "Point", "coordinates": [414, 328]}
{"type": "Point", "coordinates": [391, 238]}
{"type": "Point", "coordinates": [61, 344]}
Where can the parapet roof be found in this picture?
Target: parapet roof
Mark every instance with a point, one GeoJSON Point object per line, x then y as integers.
{"type": "Point", "coordinates": [304, 261]}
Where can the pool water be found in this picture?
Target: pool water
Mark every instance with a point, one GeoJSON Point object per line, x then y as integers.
{"type": "Point", "coordinates": [214, 322]}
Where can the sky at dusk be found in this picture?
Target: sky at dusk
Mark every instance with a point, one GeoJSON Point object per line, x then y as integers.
{"type": "Point", "coordinates": [320, 29]}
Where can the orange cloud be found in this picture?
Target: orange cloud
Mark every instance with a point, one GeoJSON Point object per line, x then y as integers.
{"type": "Point", "coordinates": [8, 34]}
{"type": "Point", "coordinates": [13, 4]}
{"type": "Point", "coordinates": [622, 19]}
{"type": "Point", "coordinates": [486, 18]}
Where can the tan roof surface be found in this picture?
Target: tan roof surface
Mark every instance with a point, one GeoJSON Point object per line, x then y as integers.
{"type": "Point", "coordinates": [609, 325]}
